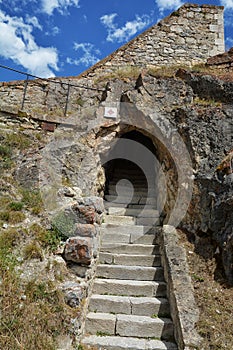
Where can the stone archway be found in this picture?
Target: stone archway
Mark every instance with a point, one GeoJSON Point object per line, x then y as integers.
{"type": "Point", "coordinates": [128, 183]}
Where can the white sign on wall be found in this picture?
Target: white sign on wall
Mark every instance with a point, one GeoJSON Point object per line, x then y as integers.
{"type": "Point", "coordinates": [110, 112]}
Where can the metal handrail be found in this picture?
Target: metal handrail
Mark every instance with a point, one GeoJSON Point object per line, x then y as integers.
{"type": "Point", "coordinates": [50, 80]}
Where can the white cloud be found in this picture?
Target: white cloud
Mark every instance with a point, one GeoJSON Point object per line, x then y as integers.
{"type": "Point", "coordinates": [228, 4]}
{"type": "Point", "coordinates": [169, 4]}
{"type": "Point", "coordinates": [48, 6]}
{"type": "Point", "coordinates": [53, 31]}
{"type": "Point", "coordinates": [116, 34]}
{"type": "Point", "coordinates": [18, 44]}
{"type": "Point", "coordinates": [107, 20]}
{"type": "Point", "coordinates": [33, 21]}
{"type": "Point", "coordinates": [88, 54]}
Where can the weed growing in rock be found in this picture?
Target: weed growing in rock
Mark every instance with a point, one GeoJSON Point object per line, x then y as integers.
{"type": "Point", "coordinates": [32, 200]}
{"type": "Point", "coordinates": [46, 238]}
{"type": "Point", "coordinates": [16, 217]}
{"type": "Point", "coordinates": [16, 206]}
{"type": "Point", "coordinates": [5, 157]}
{"type": "Point", "coordinates": [18, 140]}
{"type": "Point", "coordinates": [32, 250]}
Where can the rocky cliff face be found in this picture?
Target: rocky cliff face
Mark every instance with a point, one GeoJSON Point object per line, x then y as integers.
{"type": "Point", "coordinates": [197, 105]}
{"type": "Point", "coordinates": [188, 117]}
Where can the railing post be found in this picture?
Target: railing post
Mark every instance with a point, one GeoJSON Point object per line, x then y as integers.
{"type": "Point", "coordinates": [24, 91]}
{"type": "Point", "coordinates": [67, 99]}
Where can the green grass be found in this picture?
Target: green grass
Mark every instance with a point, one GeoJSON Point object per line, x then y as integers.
{"type": "Point", "coordinates": [16, 206]}
{"type": "Point", "coordinates": [102, 334]}
{"type": "Point", "coordinates": [33, 314]}
{"type": "Point", "coordinates": [49, 239]}
{"type": "Point", "coordinates": [32, 200]}
{"type": "Point", "coordinates": [32, 250]}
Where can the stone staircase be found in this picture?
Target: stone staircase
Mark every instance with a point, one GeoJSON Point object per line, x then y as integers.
{"type": "Point", "coordinates": [128, 308]}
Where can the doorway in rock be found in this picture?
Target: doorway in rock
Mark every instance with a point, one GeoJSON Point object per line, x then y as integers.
{"type": "Point", "coordinates": [131, 177]}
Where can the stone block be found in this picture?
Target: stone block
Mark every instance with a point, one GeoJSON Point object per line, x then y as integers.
{"type": "Point", "coordinates": [96, 202]}
{"type": "Point", "coordinates": [130, 288]}
{"type": "Point", "coordinates": [84, 214]}
{"type": "Point", "coordinates": [73, 293]}
{"type": "Point", "coordinates": [85, 230]}
{"type": "Point", "coordinates": [110, 304]}
{"type": "Point", "coordinates": [100, 323]}
{"type": "Point", "coordinates": [78, 250]}
{"type": "Point", "coordinates": [143, 327]}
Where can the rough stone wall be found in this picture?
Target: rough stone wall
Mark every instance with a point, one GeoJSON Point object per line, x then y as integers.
{"type": "Point", "coordinates": [222, 62]}
{"type": "Point", "coordinates": [188, 36]}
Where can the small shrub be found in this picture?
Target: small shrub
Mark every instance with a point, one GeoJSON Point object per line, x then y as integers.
{"type": "Point", "coordinates": [5, 151]}
{"type": "Point", "coordinates": [16, 206]}
{"type": "Point", "coordinates": [47, 238]}
{"type": "Point", "coordinates": [80, 102]}
{"type": "Point", "coordinates": [9, 238]}
{"type": "Point", "coordinates": [15, 217]}
{"type": "Point", "coordinates": [32, 200]}
{"type": "Point", "coordinates": [33, 251]}
{"type": "Point", "coordinates": [206, 102]}
{"type": "Point", "coordinates": [197, 278]}
{"type": "Point", "coordinates": [63, 224]}
{"type": "Point", "coordinates": [5, 157]}
{"type": "Point", "coordinates": [4, 215]}
{"type": "Point", "coordinates": [18, 140]}
{"type": "Point", "coordinates": [66, 181]}
{"type": "Point", "coordinates": [164, 71]}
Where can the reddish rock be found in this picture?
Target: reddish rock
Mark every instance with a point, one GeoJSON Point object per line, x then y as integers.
{"type": "Point", "coordinates": [78, 250]}
{"type": "Point", "coordinates": [85, 230]}
{"type": "Point", "coordinates": [48, 126]}
{"type": "Point", "coordinates": [84, 214]}
{"type": "Point", "coordinates": [93, 201]}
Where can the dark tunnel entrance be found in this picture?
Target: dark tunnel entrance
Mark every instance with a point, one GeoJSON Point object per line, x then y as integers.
{"type": "Point", "coordinates": [131, 177]}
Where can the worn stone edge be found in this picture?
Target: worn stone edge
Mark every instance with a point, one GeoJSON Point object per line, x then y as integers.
{"type": "Point", "coordinates": [184, 310]}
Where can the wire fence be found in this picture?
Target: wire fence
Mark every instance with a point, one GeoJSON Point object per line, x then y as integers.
{"type": "Point", "coordinates": [28, 77]}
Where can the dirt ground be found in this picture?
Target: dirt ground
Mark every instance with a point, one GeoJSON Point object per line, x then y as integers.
{"type": "Point", "coordinates": [213, 295]}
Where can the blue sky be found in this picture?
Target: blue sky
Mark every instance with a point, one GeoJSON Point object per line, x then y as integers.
{"type": "Point", "coordinates": [64, 37]}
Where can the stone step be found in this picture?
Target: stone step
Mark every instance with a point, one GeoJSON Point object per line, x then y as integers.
{"type": "Point", "coordinates": [128, 229]}
{"type": "Point", "coordinates": [130, 220]}
{"type": "Point", "coordinates": [153, 221]}
{"type": "Point", "coordinates": [142, 206]}
{"type": "Point", "coordinates": [119, 171]}
{"type": "Point", "coordinates": [144, 327]}
{"type": "Point", "coordinates": [130, 272]}
{"type": "Point", "coordinates": [129, 325]}
{"type": "Point", "coordinates": [141, 306]}
{"type": "Point", "coordinates": [115, 238]}
{"type": "Point", "coordinates": [135, 249]}
{"type": "Point", "coordinates": [147, 238]}
{"type": "Point", "coordinates": [129, 259]}
{"type": "Point", "coordinates": [111, 238]}
{"type": "Point", "coordinates": [146, 213]}
{"type": "Point", "coordinates": [129, 288]}
{"type": "Point", "coordinates": [125, 343]}
{"type": "Point", "coordinates": [136, 191]}
{"type": "Point", "coordinates": [128, 206]}
{"type": "Point", "coordinates": [119, 220]}
{"type": "Point", "coordinates": [123, 180]}
{"type": "Point", "coordinates": [128, 200]}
